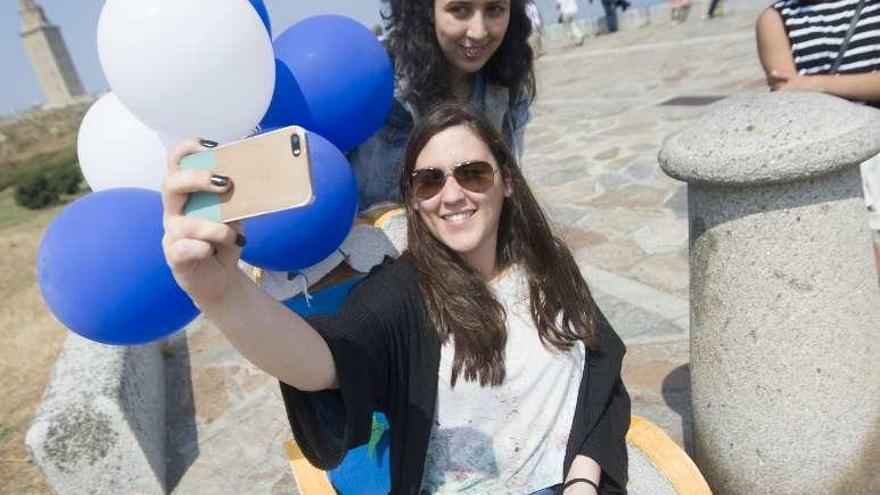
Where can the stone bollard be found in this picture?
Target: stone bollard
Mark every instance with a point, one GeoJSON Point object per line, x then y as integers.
{"type": "Point", "coordinates": [100, 428]}
{"type": "Point", "coordinates": [785, 307]}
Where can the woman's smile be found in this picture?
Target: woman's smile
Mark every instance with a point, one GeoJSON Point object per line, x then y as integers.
{"type": "Point", "coordinates": [464, 220]}
{"type": "Point", "coordinates": [474, 52]}
{"type": "Point", "coordinates": [458, 217]}
{"type": "Point", "coordinates": [469, 32]}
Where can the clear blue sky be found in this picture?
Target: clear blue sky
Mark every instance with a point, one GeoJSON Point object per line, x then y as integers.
{"type": "Point", "coordinates": [78, 21]}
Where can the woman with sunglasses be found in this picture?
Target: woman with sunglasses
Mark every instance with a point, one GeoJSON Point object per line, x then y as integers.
{"type": "Point", "coordinates": [481, 343]}
{"type": "Point", "coordinates": [473, 51]}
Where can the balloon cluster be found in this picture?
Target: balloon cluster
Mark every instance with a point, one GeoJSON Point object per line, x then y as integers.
{"type": "Point", "coordinates": [209, 69]}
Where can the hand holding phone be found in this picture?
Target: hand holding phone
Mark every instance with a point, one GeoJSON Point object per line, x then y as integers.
{"type": "Point", "coordinates": [270, 172]}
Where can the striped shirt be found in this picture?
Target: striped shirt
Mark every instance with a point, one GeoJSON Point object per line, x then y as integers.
{"type": "Point", "coordinates": [816, 30]}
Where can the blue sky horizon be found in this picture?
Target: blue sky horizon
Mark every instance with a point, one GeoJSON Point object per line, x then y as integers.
{"type": "Point", "coordinates": [78, 23]}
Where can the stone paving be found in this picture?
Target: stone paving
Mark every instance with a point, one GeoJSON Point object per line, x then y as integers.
{"type": "Point", "coordinates": [591, 156]}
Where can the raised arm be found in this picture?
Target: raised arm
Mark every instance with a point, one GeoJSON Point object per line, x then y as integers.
{"type": "Point", "coordinates": [203, 257]}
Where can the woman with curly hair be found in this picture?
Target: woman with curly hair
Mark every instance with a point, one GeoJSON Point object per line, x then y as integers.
{"type": "Point", "coordinates": [481, 343]}
{"type": "Point", "coordinates": [473, 51]}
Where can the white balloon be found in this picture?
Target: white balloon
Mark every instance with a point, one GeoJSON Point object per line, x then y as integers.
{"type": "Point", "coordinates": [188, 67]}
{"type": "Point", "coordinates": [115, 149]}
{"type": "Point", "coordinates": [170, 142]}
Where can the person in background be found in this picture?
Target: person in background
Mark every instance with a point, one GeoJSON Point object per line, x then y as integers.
{"type": "Point", "coordinates": [800, 42]}
{"type": "Point", "coordinates": [680, 10]}
{"type": "Point", "coordinates": [831, 47]}
{"type": "Point", "coordinates": [568, 10]}
{"type": "Point", "coordinates": [713, 9]}
{"type": "Point", "coordinates": [610, 7]}
{"type": "Point", "coordinates": [481, 343]}
{"type": "Point", "coordinates": [379, 31]}
{"type": "Point", "coordinates": [473, 51]}
{"type": "Point", "coordinates": [536, 40]}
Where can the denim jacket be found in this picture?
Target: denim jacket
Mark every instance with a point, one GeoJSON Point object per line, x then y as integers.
{"type": "Point", "coordinates": [377, 161]}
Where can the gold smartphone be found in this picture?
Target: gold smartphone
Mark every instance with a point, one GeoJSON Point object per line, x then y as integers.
{"type": "Point", "coordinates": [270, 172]}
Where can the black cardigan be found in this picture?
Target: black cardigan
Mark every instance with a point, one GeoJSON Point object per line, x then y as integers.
{"type": "Point", "coordinates": [387, 359]}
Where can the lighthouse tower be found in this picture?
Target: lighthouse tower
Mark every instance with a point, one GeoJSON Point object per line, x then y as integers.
{"type": "Point", "coordinates": [49, 55]}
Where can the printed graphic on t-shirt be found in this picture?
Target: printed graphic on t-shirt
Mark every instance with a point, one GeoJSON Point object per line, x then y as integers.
{"type": "Point", "coordinates": [511, 438]}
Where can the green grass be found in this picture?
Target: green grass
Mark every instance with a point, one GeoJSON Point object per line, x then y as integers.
{"type": "Point", "coordinates": [5, 431]}
{"type": "Point", "coordinates": [10, 172]}
{"type": "Point", "coordinates": [12, 215]}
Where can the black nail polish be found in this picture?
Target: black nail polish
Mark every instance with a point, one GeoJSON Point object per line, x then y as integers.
{"type": "Point", "coordinates": [219, 180]}
{"type": "Point", "coordinates": [207, 143]}
{"type": "Point", "coordinates": [240, 240]}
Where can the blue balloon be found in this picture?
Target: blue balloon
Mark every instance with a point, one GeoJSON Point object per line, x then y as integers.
{"type": "Point", "coordinates": [260, 7]}
{"type": "Point", "coordinates": [344, 81]}
{"type": "Point", "coordinates": [102, 272]}
{"type": "Point", "coordinates": [290, 240]}
{"type": "Point", "coordinates": [288, 105]}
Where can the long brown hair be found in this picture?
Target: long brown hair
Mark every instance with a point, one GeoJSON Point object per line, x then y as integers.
{"type": "Point", "coordinates": [458, 299]}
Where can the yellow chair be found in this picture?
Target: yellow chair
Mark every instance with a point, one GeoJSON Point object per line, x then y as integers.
{"type": "Point", "coordinates": [309, 479]}
{"type": "Point", "coordinates": [644, 437]}
{"type": "Point", "coordinates": [664, 454]}
{"type": "Point", "coordinates": [670, 460]}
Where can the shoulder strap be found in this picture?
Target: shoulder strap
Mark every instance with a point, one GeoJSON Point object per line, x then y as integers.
{"type": "Point", "coordinates": [845, 43]}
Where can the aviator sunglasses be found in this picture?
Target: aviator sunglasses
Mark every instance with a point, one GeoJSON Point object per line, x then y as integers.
{"type": "Point", "coordinates": [475, 176]}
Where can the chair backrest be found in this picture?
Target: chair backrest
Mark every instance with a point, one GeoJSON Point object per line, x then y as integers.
{"type": "Point", "coordinates": [365, 469]}
{"type": "Point", "coordinates": [672, 471]}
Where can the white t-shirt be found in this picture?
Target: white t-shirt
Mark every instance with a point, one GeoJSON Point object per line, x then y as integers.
{"type": "Point", "coordinates": [511, 438]}
{"type": "Point", "coordinates": [567, 7]}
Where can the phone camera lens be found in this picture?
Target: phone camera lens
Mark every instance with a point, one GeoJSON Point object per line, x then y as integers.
{"type": "Point", "coordinates": [295, 145]}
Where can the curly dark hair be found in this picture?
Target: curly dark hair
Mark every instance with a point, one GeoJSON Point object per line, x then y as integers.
{"type": "Point", "coordinates": [419, 61]}
{"type": "Point", "coordinates": [459, 303]}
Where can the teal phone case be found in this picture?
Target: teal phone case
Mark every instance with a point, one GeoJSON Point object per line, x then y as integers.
{"type": "Point", "coordinates": [201, 204]}
{"type": "Point", "coordinates": [270, 172]}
